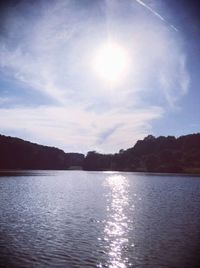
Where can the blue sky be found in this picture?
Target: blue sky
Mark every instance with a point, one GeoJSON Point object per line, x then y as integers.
{"type": "Point", "coordinates": [50, 94]}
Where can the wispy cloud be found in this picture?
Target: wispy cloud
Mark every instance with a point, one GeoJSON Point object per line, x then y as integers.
{"type": "Point", "coordinates": [78, 129]}
{"type": "Point", "coordinates": [106, 134]}
{"type": "Point", "coordinates": [50, 50]}
{"type": "Point", "coordinates": [156, 14]}
{"type": "Point", "coordinates": [175, 84]}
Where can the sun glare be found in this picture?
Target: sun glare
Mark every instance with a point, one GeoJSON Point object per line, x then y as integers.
{"type": "Point", "coordinates": [110, 62]}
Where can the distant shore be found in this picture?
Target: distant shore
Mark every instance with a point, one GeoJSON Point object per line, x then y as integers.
{"type": "Point", "coordinates": [158, 155]}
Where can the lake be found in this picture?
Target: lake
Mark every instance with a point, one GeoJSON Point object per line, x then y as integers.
{"type": "Point", "coordinates": [99, 219]}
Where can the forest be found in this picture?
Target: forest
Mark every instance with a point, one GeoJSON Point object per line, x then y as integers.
{"type": "Point", "coordinates": [161, 154]}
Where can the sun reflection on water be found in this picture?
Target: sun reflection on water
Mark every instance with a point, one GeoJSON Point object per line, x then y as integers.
{"type": "Point", "coordinates": [116, 228]}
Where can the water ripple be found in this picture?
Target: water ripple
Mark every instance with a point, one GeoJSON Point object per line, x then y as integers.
{"type": "Point", "coordinates": [95, 219]}
{"type": "Point", "coordinates": [116, 227]}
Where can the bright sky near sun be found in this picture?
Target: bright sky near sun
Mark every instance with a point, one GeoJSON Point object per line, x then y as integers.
{"type": "Point", "coordinates": [98, 74]}
{"type": "Point", "coordinates": [111, 63]}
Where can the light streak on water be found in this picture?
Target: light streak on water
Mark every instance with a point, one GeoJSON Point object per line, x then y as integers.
{"type": "Point", "coordinates": [116, 228]}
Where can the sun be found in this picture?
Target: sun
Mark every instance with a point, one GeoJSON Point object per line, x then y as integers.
{"type": "Point", "coordinates": [111, 62]}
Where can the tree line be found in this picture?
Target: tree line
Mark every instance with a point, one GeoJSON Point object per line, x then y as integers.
{"type": "Point", "coordinates": [161, 154]}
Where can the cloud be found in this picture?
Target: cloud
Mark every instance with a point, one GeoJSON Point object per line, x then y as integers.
{"type": "Point", "coordinates": [48, 49]}
{"type": "Point", "coordinates": [4, 100]}
{"type": "Point", "coordinates": [79, 130]}
{"type": "Point", "coordinates": [156, 14]}
{"type": "Point", "coordinates": [107, 133]}
{"type": "Point", "coordinates": [175, 84]}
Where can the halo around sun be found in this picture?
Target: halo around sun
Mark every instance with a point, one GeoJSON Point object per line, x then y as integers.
{"type": "Point", "coordinates": [111, 62]}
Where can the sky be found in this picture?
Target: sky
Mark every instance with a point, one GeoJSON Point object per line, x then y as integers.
{"type": "Point", "coordinates": [51, 92]}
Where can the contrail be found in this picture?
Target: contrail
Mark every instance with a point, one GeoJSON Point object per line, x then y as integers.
{"type": "Point", "coordinates": [156, 14]}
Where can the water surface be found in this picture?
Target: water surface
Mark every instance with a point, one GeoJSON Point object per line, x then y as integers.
{"type": "Point", "coordinates": [99, 219]}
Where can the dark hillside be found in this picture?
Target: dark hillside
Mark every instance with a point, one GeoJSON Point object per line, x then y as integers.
{"type": "Point", "coordinates": [162, 154]}
{"type": "Point", "coordinates": [19, 154]}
